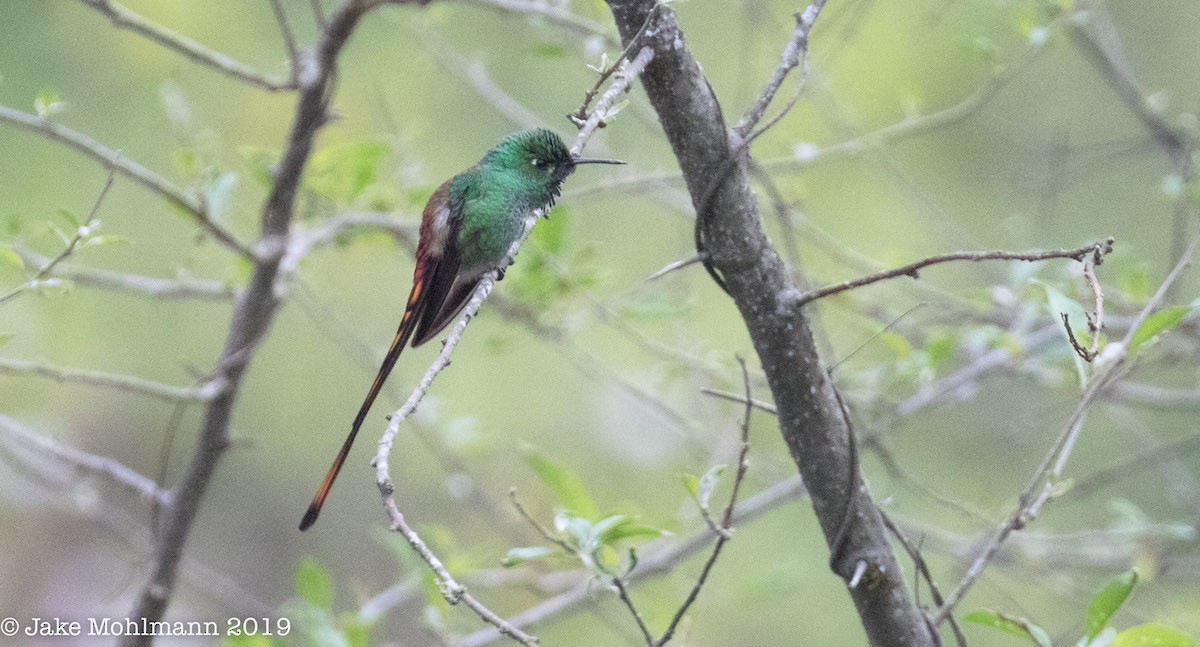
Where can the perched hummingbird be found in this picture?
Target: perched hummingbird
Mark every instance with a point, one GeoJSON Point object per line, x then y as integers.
{"type": "Point", "coordinates": [467, 228]}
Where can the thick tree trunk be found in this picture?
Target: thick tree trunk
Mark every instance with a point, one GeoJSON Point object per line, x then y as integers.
{"type": "Point", "coordinates": [810, 417]}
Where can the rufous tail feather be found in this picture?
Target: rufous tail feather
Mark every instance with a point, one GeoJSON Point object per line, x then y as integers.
{"type": "Point", "coordinates": [407, 325]}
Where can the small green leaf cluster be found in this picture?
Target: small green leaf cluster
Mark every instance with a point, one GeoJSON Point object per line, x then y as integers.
{"type": "Point", "coordinates": [577, 530]}
{"type": "Point", "coordinates": [1097, 631]}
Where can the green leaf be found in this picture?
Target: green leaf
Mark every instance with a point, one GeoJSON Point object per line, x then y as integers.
{"type": "Point", "coordinates": [1157, 323]}
{"type": "Point", "coordinates": [71, 218]}
{"type": "Point", "coordinates": [48, 103]}
{"type": "Point", "coordinates": [356, 632]}
{"type": "Point", "coordinates": [1110, 598]}
{"type": "Point", "coordinates": [5, 338]}
{"type": "Point", "coordinates": [897, 343]}
{"type": "Point", "coordinates": [568, 488]}
{"type": "Point", "coordinates": [1135, 282]}
{"type": "Point", "coordinates": [260, 161]}
{"type": "Point", "coordinates": [10, 257]}
{"type": "Point", "coordinates": [342, 171]}
{"type": "Point", "coordinates": [187, 161]}
{"type": "Point", "coordinates": [313, 584]}
{"type": "Point", "coordinates": [548, 50]}
{"type": "Point", "coordinates": [633, 561]}
{"type": "Point", "coordinates": [520, 555]}
{"type": "Point", "coordinates": [550, 233]}
{"type": "Point", "coordinates": [1010, 624]}
{"type": "Point", "coordinates": [691, 483]}
{"type": "Point", "coordinates": [577, 530]}
{"type": "Point", "coordinates": [941, 347]}
{"type": "Point", "coordinates": [1153, 635]}
{"type": "Point", "coordinates": [626, 528]}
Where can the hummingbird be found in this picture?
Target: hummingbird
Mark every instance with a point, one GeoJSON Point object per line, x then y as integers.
{"type": "Point", "coordinates": [467, 229]}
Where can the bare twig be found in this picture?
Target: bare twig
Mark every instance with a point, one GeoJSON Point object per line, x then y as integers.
{"type": "Point", "coordinates": [912, 269]}
{"type": "Point", "coordinates": [796, 53]}
{"type": "Point", "coordinates": [580, 115]}
{"type": "Point", "coordinates": [922, 568]}
{"type": "Point", "coordinates": [127, 383]}
{"type": "Point", "coordinates": [739, 151]}
{"type": "Point", "coordinates": [1041, 486]}
{"type": "Point", "coordinates": [289, 40]}
{"type": "Point", "coordinates": [102, 465]}
{"type": "Point", "coordinates": [80, 231]}
{"type": "Point", "coordinates": [623, 76]}
{"type": "Point", "coordinates": [181, 288]}
{"type": "Point", "coordinates": [623, 593]}
{"type": "Point", "coordinates": [726, 518]}
{"type": "Point", "coordinates": [674, 266]}
{"type": "Point", "coordinates": [125, 18]}
{"type": "Point", "coordinates": [734, 397]}
{"type": "Point", "coordinates": [476, 74]}
{"type": "Point", "coordinates": [537, 525]}
{"type": "Point", "coordinates": [1095, 321]}
{"type": "Point", "coordinates": [552, 13]}
{"type": "Point", "coordinates": [183, 199]}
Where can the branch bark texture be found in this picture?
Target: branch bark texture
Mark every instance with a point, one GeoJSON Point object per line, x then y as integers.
{"type": "Point", "coordinates": [810, 417]}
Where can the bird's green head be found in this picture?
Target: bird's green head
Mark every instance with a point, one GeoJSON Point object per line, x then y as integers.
{"type": "Point", "coordinates": [538, 159]}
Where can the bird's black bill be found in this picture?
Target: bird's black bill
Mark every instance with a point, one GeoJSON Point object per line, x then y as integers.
{"type": "Point", "coordinates": [596, 161]}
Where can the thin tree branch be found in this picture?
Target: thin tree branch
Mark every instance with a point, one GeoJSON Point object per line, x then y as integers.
{"type": "Point", "coordinates": [620, 85]}
{"type": "Point", "coordinates": [537, 525]}
{"type": "Point", "coordinates": [128, 383]}
{"type": "Point", "coordinates": [914, 552]}
{"type": "Point", "coordinates": [125, 18]}
{"type": "Point", "coordinates": [1042, 484]}
{"type": "Point", "coordinates": [912, 269]}
{"type": "Point", "coordinates": [477, 75]}
{"type": "Point", "coordinates": [726, 531]}
{"type": "Point", "coordinates": [551, 13]}
{"type": "Point", "coordinates": [580, 115]}
{"type": "Point", "coordinates": [182, 288]}
{"type": "Point", "coordinates": [80, 231]}
{"type": "Point", "coordinates": [183, 199]}
{"type": "Point", "coordinates": [101, 465]}
{"type": "Point", "coordinates": [289, 39]}
{"type": "Point", "coordinates": [796, 53]}
{"type": "Point", "coordinates": [623, 593]}
{"type": "Point", "coordinates": [1095, 321]}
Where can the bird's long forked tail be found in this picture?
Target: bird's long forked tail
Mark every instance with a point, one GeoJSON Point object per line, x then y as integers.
{"type": "Point", "coordinates": [407, 325]}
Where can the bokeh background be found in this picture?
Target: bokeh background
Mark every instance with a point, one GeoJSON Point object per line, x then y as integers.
{"type": "Point", "coordinates": [604, 375]}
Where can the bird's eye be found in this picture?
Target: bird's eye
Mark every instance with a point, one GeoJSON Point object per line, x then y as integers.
{"type": "Point", "coordinates": [535, 162]}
